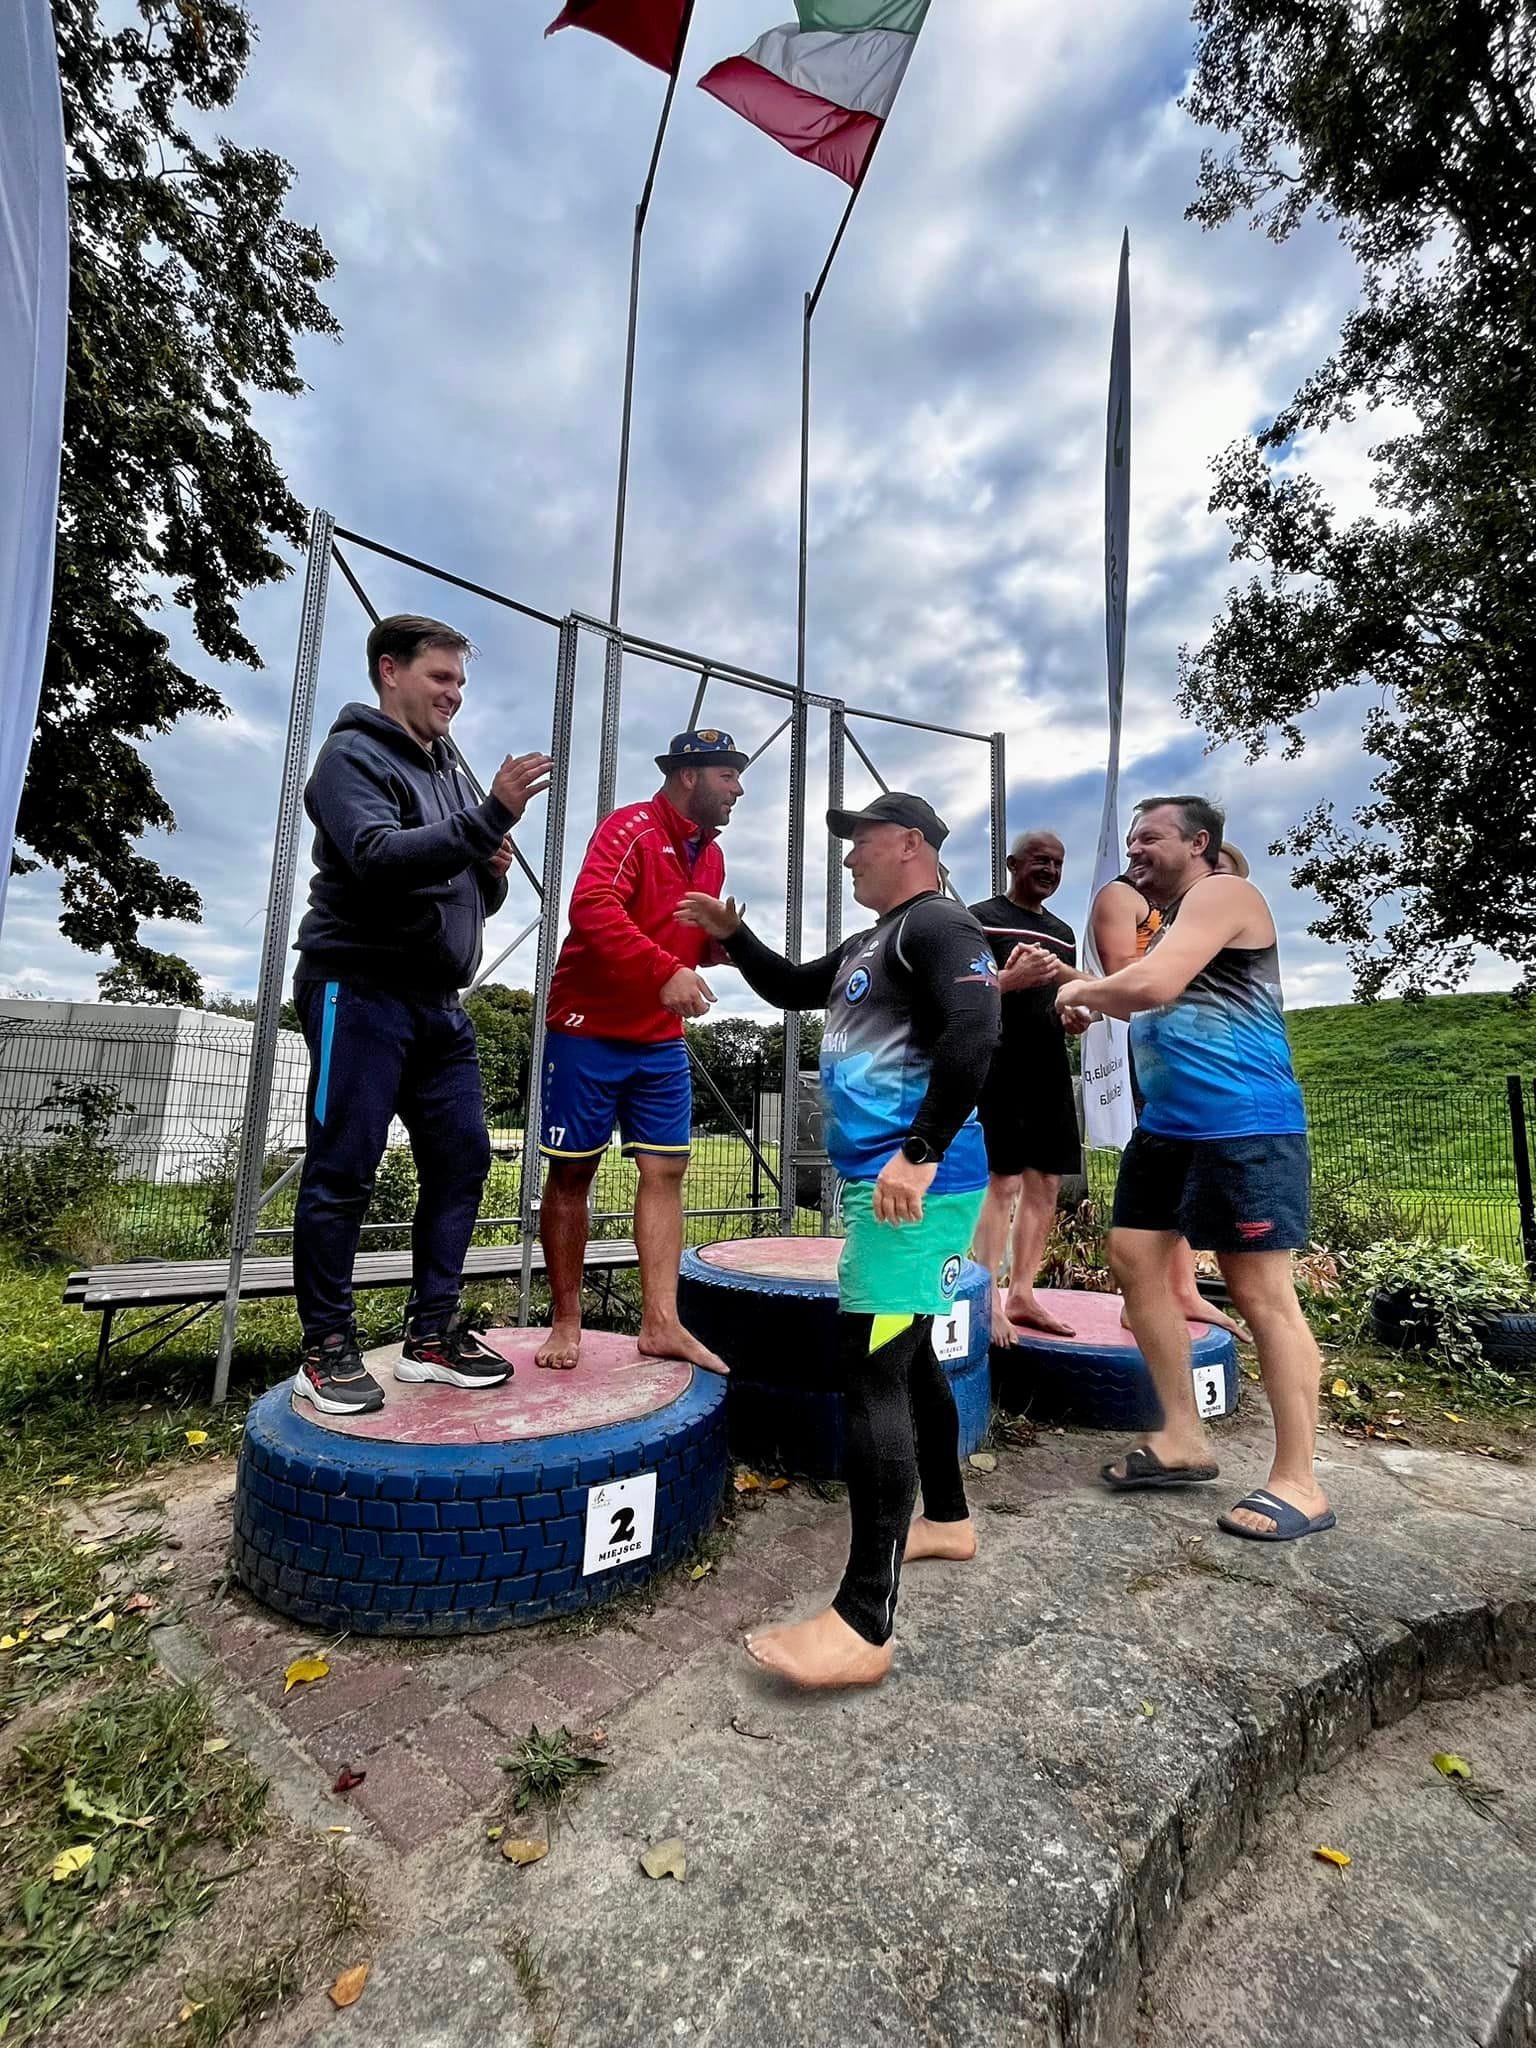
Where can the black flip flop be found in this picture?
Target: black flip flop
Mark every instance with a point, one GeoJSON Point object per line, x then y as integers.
{"type": "Point", "coordinates": [1144, 1468]}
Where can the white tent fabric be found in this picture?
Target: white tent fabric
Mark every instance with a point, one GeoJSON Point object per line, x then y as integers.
{"type": "Point", "coordinates": [34, 318]}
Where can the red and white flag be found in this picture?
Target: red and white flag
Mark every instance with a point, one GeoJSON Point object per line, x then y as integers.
{"type": "Point", "coordinates": [824, 85]}
{"type": "Point", "coordinates": [651, 30]}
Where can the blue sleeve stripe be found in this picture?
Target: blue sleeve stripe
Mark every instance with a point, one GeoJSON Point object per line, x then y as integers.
{"type": "Point", "coordinates": [327, 1039]}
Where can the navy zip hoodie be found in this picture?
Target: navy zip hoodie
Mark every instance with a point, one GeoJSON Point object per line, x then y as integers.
{"type": "Point", "coordinates": [401, 890]}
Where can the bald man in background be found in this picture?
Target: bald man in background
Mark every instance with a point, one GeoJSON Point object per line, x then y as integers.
{"type": "Point", "coordinates": [1028, 1109]}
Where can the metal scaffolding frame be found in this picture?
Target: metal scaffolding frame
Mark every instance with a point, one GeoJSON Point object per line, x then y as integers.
{"type": "Point", "coordinates": [325, 534]}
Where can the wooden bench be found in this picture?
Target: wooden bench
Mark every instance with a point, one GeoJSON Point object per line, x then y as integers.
{"type": "Point", "coordinates": [183, 1290]}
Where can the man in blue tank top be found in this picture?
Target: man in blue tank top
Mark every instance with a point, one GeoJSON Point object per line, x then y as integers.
{"type": "Point", "coordinates": [1219, 1157]}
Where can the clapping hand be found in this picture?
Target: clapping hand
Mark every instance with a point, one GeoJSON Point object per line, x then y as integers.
{"type": "Point", "coordinates": [520, 778]}
{"type": "Point", "coordinates": [709, 914]}
{"type": "Point", "coordinates": [1027, 967]}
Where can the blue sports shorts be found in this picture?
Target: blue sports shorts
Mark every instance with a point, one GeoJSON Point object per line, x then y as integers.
{"type": "Point", "coordinates": [591, 1084]}
{"type": "Point", "coordinates": [1222, 1194]}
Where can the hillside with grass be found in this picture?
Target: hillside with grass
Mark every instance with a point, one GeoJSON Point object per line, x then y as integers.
{"type": "Point", "coordinates": [1441, 1042]}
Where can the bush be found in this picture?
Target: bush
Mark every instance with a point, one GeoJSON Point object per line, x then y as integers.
{"type": "Point", "coordinates": [55, 1198]}
{"type": "Point", "coordinates": [1447, 1295]}
{"type": "Point", "coordinates": [1353, 1216]}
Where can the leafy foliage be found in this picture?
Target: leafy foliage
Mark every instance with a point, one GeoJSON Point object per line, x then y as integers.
{"type": "Point", "coordinates": [1448, 1292]}
{"type": "Point", "coordinates": [1413, 127]}
{"type": "Point", "coordinates": [188, 287]}
{"type": "Point", "coordinates": [53, 1193]}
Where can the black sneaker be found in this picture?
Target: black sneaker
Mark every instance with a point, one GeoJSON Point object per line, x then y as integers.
{"type": "Point", "coordinates": [454, 1355]}
{"type": "Point", "coordinates": [333, 1376]}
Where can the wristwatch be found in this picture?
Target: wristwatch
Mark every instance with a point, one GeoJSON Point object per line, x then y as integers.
{"type": "Point", "coordinates": [918, 1152]}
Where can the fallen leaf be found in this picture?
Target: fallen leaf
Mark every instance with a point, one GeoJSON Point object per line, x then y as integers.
{"type": "Point", "coordinates": [494, 1834]}
{"type": "Point", "coordinates": [701, 1571]}
{"type": "Point", "coordinates": [190, 2008]}
{"type": "Point", "coordinates": [108, 1622]}
{"type": "Point", "coordinates": [196, 1437]}
{"type": "Point", "coordinates": [86, 1549]}
{"type": "Point", "coordinates": [67, 1480]}
{"type": "Point", "coordinates": [347, 1779]}
{"type": "Point", "coordinates": [1449, 1416]}
{"type": "Point", "coordinates": [138, 1603]}
{"type": "Point", "coordinates": [1451, 1766]}
{"type": "Point", "coordinates": [14, 1642]}
{"type": "Point", "coordinates": [1148, 1709]}
{"type": "Point", "coordinates": [215, 1745]}
{"type": "Point", "coordinates": [666, 1859]}
{"type": "Point", "coordinates": [30, 1614]}
{"type": "Point", "coordinates": [338, 1831]}
{"type": "Point", "coordinates": [1341, 1388]}
{"type": "Point", "coordinates": [70, 1862]}
{"type": "Point", "coordinates": [1336, 1857]}
{"type": "Point", "coordinates": [747, 1482]}
{"type": "Point", "coordinates": [984, 1461]}
{"type": "Point", "coordinates": [521, 1849]}
{"type": "Point", "coordinates": [348, 1988]}
{"type": "Point", "coordinates": [777, 1485]}
{"type": "Point", "coordinates": [58, 1632]}
{"type": "Point", "coordinates": [304, 1671]}
{"type": "Point", "coordinates": [1395, 1422]}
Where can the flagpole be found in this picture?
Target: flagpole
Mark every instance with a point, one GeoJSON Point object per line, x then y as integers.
{"type": "Point", "coordinates": [795, 881]}
{"type": "Point", "coordinates": [608, 753]}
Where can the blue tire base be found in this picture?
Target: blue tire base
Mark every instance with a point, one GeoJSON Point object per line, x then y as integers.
{"type": "Point", "coordinates": [779, 1337]}
{"type": "Point", "coordinates": [342, 1532]}
{"type": "Point", "coordinates": [1090, 1386]}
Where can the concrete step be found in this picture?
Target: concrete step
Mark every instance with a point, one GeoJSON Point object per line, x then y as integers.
{"type": "Point", "coordinates": [1429, 1937]}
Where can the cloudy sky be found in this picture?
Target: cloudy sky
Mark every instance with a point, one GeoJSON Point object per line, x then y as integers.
{"type": "Point", "coordinates": [477, 184]}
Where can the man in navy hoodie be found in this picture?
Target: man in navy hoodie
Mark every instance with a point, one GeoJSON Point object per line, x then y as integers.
{"type": "Point", "coordinates": [407, 869]}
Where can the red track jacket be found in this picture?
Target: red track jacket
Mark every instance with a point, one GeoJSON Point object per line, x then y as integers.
{"type": "Point", "coordinates": [624, 941]}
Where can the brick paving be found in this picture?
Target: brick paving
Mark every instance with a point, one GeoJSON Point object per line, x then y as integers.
{"type": "Point", "coordinates": [427, 1723]}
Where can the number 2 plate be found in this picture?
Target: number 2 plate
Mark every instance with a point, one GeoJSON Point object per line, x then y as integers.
{"type": "Point", "coordinates": [621, 1520]}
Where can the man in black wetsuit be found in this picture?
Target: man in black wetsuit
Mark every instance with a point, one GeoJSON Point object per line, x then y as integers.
{"type": "Point", "coordinates": [1029, 1104]}
{"type": "Point", "coordinates": [912, 1018]}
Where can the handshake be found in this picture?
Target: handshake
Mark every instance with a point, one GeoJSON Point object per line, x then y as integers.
{"type": "Point", "coordinates": [686, 993]}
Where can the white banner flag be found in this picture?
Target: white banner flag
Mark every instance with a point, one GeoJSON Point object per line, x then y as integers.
{"type": "Point", "coordinates": [1108, 1116]}
{"type": "Point", "coordinates": [34, 317]}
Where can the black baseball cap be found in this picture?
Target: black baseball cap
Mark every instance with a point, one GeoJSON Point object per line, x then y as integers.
{"type": "Point", "coordinates": [896, 807]}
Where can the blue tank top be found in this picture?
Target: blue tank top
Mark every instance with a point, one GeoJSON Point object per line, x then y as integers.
{"type": "Point", "coordinates": [1215, 1062]}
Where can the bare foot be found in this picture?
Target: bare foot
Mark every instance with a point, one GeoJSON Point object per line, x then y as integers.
{"type": "Point", "coordinates": [821, 1653]}
{"type": "Point", "coordinates": [671, 1340]}
{"type": "Point", "coordinates": [955, 1540]}
{"type": "Point", "coordinates": [561, 1349]}
{"type": "Point", "coordinates": [1310, 1499]}
{"type": "Point", "coordinates": [1199, 1310]}
{"type": "Point", "coordinates": [1003, 1332]}
{"type": "Point", "coordinates": [1025, 1313]}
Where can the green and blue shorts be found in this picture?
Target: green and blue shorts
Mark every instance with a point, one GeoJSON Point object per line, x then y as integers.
{"type": "Point", "coordinates": [904, 1269]}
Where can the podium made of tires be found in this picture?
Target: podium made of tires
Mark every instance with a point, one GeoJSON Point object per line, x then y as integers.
{"type": "Point", "coordinates": [768, 1306]}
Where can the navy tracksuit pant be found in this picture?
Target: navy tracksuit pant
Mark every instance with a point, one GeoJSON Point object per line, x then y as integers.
{"type": "Point", "coordinates": [373, 1056]}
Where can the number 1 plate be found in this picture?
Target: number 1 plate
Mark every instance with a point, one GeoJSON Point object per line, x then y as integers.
{"type": "Point", "coordinates": [621, 1519]}
{"type": "Point", "coordinates": [952, 1331]}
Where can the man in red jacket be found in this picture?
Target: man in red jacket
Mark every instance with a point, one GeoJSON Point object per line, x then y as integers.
{"type": "Point", "coordinates": [627, 976]}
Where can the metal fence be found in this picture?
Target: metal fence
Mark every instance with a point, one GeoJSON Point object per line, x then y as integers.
{"type": "Point", "coordinates": [140, 1116]}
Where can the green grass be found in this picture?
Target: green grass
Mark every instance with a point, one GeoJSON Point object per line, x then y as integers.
{"type": "Point", "coordinates": [1444, 1041]}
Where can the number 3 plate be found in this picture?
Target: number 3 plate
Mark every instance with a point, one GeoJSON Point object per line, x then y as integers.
{"type": "Point", "coordinates": [621, 1520]}
{"type": "Point", "coordinates": [1210, 1389]}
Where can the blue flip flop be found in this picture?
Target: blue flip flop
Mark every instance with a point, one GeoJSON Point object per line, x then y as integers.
{"type": "Point", "coordinates": [1289, 1522]}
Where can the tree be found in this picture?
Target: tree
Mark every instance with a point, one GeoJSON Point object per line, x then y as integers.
{"type": "Point", "coordinates": [188, 286]}
{"type": "Point", "coordinates": [503, 1021]}
{"type": "Point", "coordinates": [169, 979]}
{"type": "Point", "coordinates": [1412, 124]}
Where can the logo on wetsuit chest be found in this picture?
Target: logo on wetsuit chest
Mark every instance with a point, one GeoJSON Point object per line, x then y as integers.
{"type": "Point", "coordinates": [858, 986]}
{"type": "Point", "coordinates": [949, 1279]}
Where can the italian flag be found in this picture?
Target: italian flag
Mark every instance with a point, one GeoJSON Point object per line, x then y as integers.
{"type": "Point", "coordinates": [823, 85]}
{"type": "Point", "coordinates": [649, 29]}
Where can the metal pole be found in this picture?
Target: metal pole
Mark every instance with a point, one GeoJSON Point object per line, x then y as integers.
{"type": "Point", "coordinates": [274, 944]}
{"type": "Point", "coordinates": [613, 662]}
{"type": "Point", "coordinates": [505, 954]}
{"type": "Point", "coordinates": [794, 892]}
{"type": "Point", "coordinates": [549, 941]}
{"type": "Point", "coordinates": [999, 818]}
{"type": "Point", "coordinates": [1520, 1140]}
{"type": "Point", "coordinates": [836, 754]}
